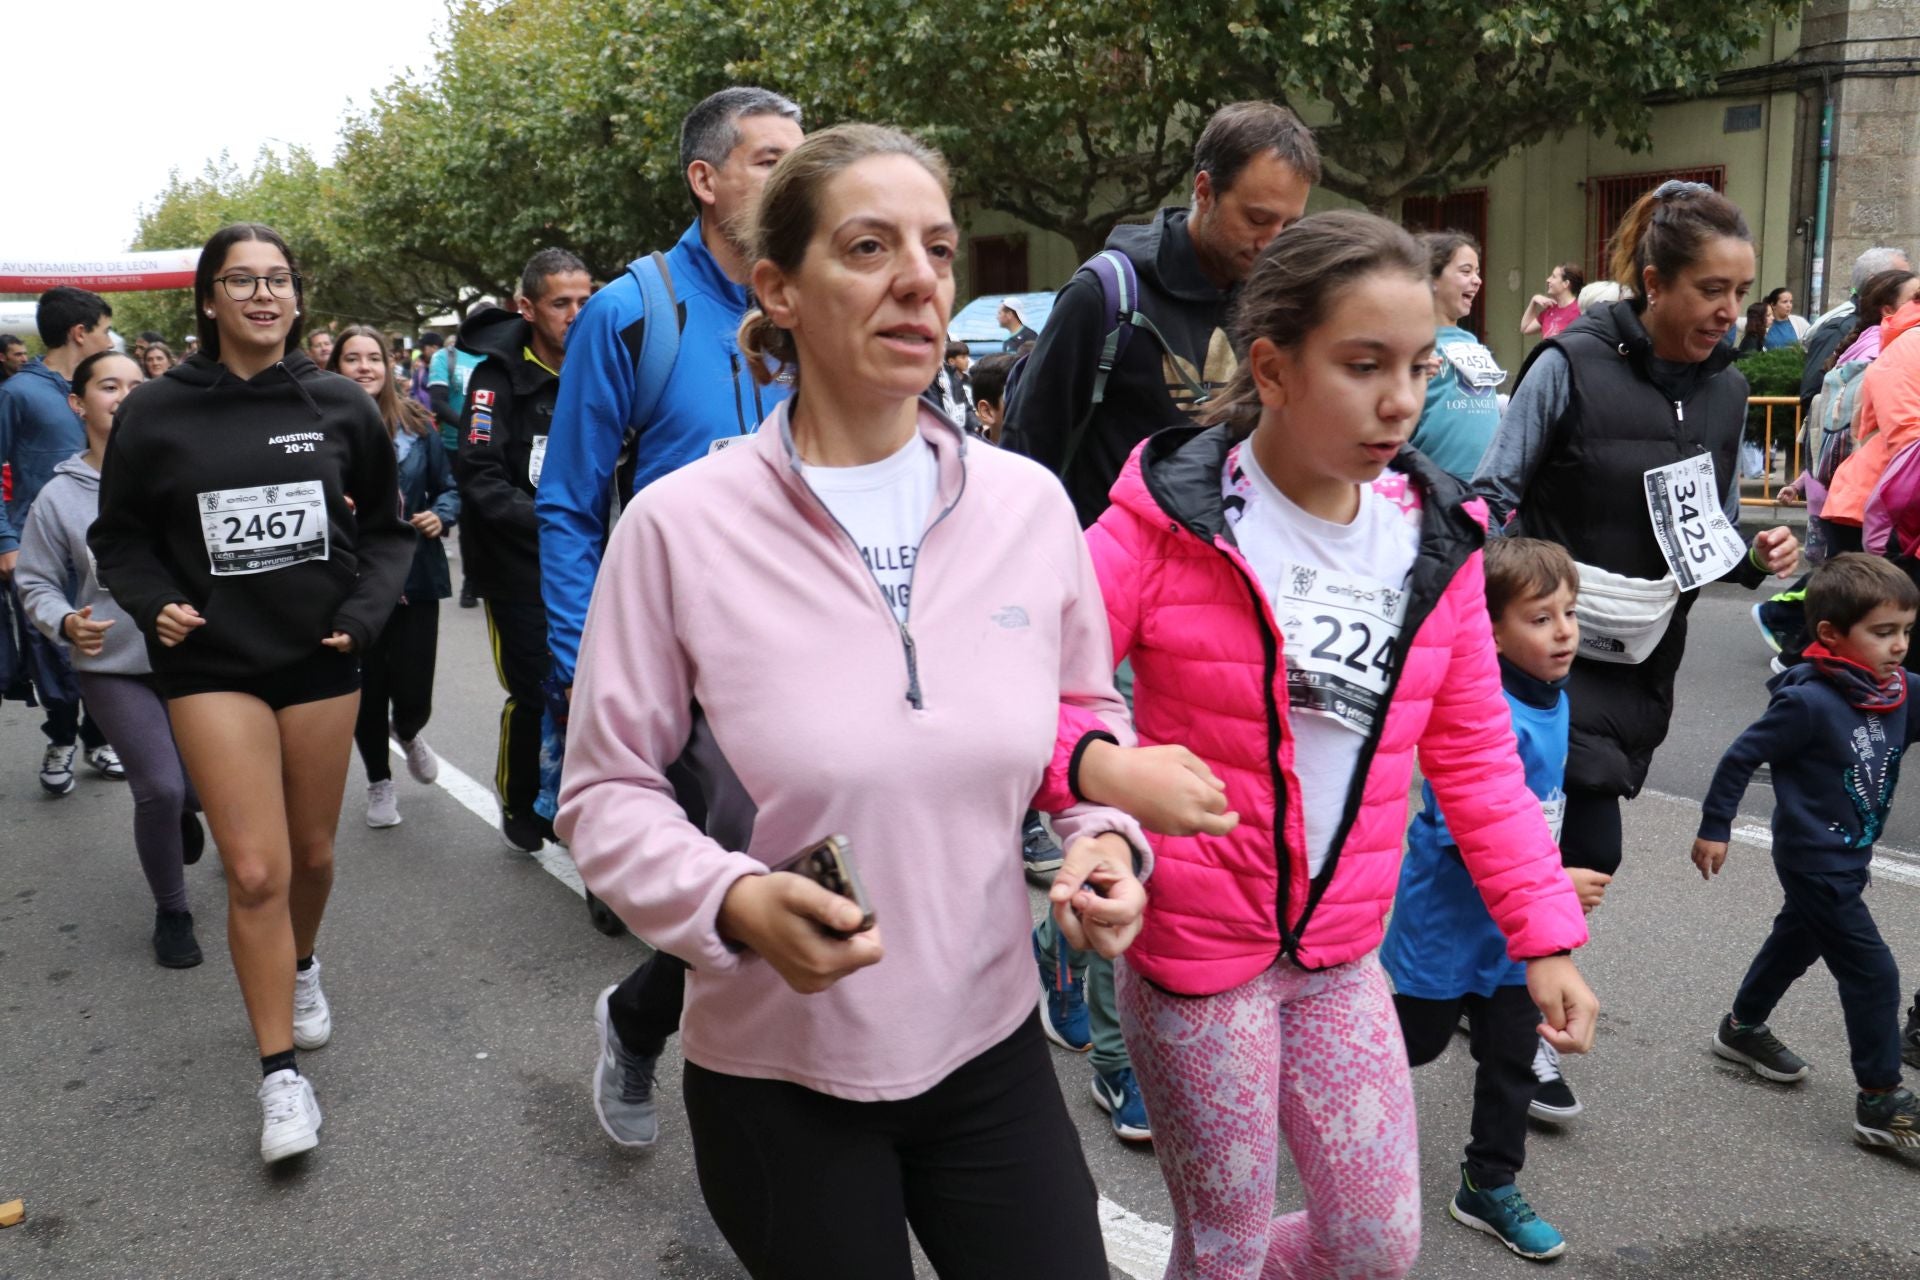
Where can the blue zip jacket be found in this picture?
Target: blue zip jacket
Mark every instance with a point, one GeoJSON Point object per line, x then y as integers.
{"type": "Point", "coordinates": [708, 397]}
{"type": "Point", "coordinates": [426, 484]}
{"type": "Point", "coordinates": [1834, 771]}
{"type": "Point", "coordinates": [1441, 942]}
{"type": "Point", "coordinates": [38, 431]}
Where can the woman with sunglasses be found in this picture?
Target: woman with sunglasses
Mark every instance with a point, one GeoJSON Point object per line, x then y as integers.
{"type": "Point", "coordinates": [249, 524]}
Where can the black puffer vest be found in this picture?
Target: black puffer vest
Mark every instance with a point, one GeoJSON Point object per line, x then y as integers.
{"type": "Point", "coordinates": [1587, 495]}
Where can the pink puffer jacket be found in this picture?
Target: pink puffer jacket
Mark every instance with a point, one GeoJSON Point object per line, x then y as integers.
{"type": "Point", "coordinates": [1209, 673]}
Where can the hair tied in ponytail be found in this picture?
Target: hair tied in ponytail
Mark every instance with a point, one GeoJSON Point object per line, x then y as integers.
{"type": "Point", "coordinates": [1673, 188]}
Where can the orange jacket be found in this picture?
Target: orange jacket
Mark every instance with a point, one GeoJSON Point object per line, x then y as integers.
{"type": "Point", "coordinates": [1889, 418]}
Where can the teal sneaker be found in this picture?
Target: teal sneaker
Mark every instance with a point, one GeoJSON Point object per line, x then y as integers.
{"type": "Point", "coordinates": [1504, 1213]}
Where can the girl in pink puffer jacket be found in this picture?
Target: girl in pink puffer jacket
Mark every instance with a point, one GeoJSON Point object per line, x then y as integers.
{"type": "Point", "coordinates": [1304, 607]}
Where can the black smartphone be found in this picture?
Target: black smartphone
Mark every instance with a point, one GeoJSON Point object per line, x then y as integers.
{"type": "Point", "coordinates": [829, 864]}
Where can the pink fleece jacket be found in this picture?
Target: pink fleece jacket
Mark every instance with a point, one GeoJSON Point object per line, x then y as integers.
{"type": "Point", "coordinates": [1184, 609]}
{"type": "Point", "coordinates": [734, 620]}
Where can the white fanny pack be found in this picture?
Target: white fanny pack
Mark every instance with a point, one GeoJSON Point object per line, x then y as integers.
{"type": "Point", "coordinates": [1622, 619]}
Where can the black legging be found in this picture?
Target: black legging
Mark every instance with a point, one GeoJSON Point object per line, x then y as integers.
{"type": "Point", "coordinates": [986, 1166]}
{"type": "Point", "coordinates": [1590, 835]}
{"type": "Point", "coordinates": [398, 671]}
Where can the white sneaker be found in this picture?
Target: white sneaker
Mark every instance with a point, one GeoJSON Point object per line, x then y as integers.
{"type": "Point", "coordinates": [106, 762]}
{"type": "Point", "coordinates": [312, 1015]}
{"type": "Point", "coordinates": [56, 769]}
{"type": "Point", "coordinates": [291, 1117]}
{"type": "Point", "coordinates": [421, 762]}
{"type": "Point", "coordinates": [382, 809]}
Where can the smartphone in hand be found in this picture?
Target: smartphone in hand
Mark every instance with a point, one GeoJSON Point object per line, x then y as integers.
{"type": "Point", "coordinates": [829, 864]}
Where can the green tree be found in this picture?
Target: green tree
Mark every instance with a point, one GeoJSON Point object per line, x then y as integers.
{"type": "Point", "coordinates": [346, 278]}
{"type": "Point", "coordinates": [1073, 115]}
{"type": "Point", "coordinates": [1420, 97]}
{"type": "Point", "coordinates": [543, 123]}
{"type": "Point", "coordinates": [1069, 116]}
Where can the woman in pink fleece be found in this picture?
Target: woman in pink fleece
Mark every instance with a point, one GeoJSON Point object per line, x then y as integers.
{"type": "Point", "coordinates": [1304, 607]}
{"type": "Point", "coordinates": [856, 624]}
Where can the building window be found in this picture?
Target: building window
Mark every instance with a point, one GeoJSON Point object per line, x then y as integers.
{"type": "Point", "coordinates": [1457, 211]}
{"type": "Point", "coordinates": [1609, 198]}
{"type": "Point", "coordinates": [999, 265]}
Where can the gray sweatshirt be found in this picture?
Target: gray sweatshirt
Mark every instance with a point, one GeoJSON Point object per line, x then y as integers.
{"type": "Point", "coordinates": [56, 574]}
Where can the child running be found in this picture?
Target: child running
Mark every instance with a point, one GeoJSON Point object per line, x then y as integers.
{"type": "Point", "coordinates": [1443, 950]}
{"type": "Point", "coordinates": [1834, 734]}
{"type": "Point", "coordinates": [61, 588]}
{"type": "Point", "coordinates": [1304, 607]}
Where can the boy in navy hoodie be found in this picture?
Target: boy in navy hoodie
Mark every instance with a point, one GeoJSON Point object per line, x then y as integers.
{"type": "Point", "coordinates": [1834, 734]}
{"type": "Point", "coordinates": [1443, 950]}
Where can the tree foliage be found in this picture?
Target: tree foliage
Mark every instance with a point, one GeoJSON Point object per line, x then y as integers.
{"type": "Point", "coordinates": [554, 122]}
{"type": "Point", "coordinates": [1069, 116]}
{"type": "Point", "coordinates": [1424, 95]}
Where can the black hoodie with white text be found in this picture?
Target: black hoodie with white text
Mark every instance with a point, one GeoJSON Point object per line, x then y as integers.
{"type": "Point", "coordinates": [269, 504]}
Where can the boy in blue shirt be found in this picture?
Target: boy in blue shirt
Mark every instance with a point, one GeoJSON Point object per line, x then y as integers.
{"type": "Point", "coordinates": [1834, 733]}
{"type": "Point", "coordinates": [1444, 952]}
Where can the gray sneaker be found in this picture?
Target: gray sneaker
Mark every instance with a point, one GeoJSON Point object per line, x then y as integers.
{"type": "Point", "coordinates": [622, 1085]}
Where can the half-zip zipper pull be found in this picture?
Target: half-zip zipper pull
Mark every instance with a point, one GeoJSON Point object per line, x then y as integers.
{"type": "Point", "coordinates": [913, 669]}
{"type": "Point", "coordinates": [1679, 412]}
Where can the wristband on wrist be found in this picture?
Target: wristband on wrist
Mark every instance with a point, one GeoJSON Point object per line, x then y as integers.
{"type": "Point", "coordinates": [1080, 750]}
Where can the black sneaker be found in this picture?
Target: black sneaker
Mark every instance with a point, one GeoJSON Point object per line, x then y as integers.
{"type": "Point", "coordinates": [1759, 1048]}
{"type": "Point", "coordinates": [1887, 1119]}
{"type": "Point", "coordinates": [1553, 1099]}
{"type": "Point", "coordinates": [522, 832]}
{"type": "Point", "coordinates": [1038, 849]}
{"type": "Point", "coordinates": [603, 918]}
{"type": "Point", "coordinates": [1910, 1040]}
{"type": "Point", "coordinates": [193, 838]}
{"type": "Point", "coordinates": [174, 945]}
{"type": "Point", "coordinates": [467, 598]}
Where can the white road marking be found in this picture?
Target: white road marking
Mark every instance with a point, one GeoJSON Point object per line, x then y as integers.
{"type": "Point", "coordinates": [1135, 1246]}
{"type": "Point", "coordinates": [479, 800]}
{"type": "Point", "coordinates": [1894, 864]}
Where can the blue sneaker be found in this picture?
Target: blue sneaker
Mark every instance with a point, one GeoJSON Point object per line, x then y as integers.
{"type": "Point", "coordinates": [1504, 1213]}
{"type": "Point", "coordinates": [1119, 1094]}
{"type": "Point", "coordinates": [1063, 1003]}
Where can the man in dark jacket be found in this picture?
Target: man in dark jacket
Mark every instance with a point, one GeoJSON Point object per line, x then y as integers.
{"type": "Point", "coordinates": [1252, 170]}
{"type": "Point", "coordinates": [503, 443]}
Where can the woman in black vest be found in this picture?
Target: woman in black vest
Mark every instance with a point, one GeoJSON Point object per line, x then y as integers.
{"type": "Point", "coordinates": [1634, 388]}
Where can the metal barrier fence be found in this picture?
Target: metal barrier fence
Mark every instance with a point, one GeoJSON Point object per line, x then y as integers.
{"type": "Point", "coordinates": [1767, 486]}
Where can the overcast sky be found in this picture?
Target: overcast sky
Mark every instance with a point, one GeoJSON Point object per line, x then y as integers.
{"type": "Point", "coordinates": [102, 99]}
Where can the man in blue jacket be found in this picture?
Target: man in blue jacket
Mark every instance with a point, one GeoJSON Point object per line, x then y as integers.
{"type": "Point", "coordinates": [618, 390]}
{"type": "Point", "coordinates": [38, 431]}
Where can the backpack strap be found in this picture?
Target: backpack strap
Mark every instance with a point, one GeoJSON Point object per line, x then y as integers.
{"type": "Point", "coordinates": [659, 343]}
{"type": "Point", "coordinates": [1120, 295]}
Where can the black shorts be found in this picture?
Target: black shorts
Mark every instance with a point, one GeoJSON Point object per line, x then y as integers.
{"type": "Point", "coordinates": [327, 674]}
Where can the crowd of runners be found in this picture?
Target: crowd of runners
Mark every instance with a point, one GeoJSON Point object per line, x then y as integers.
{"type": "Point", "coordinates": [812, 634]}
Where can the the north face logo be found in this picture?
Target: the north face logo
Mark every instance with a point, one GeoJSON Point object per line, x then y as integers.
{"type": "Point", "coordinates": [1013, 617]}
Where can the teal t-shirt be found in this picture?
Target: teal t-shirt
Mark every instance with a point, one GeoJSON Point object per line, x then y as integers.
{"type": "Point", "coordinates": [1463, 405]}
{"type": "Point", "coordinates": [464, 363]}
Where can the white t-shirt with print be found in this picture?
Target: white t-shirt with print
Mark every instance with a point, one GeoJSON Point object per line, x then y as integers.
{"type": "Point", "coordinates": [884, 507]}
{"type": "Point", "coordinates": [1339, 595]}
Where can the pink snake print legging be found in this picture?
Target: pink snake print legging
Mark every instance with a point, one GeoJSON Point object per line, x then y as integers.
{"type": "Point", "coordinates": [1314, 1057]}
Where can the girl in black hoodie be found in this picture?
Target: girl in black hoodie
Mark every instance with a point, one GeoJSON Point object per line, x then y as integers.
{"type": "Point", "coordinates": [250, 524]}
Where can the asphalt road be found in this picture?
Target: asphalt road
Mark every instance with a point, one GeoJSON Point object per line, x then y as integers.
{"type": "Point", "coordinates": [460, 1140]}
